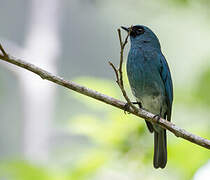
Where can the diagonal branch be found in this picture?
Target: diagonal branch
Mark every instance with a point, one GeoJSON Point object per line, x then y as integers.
{"type": "Point", "coordinates": [179, 132]}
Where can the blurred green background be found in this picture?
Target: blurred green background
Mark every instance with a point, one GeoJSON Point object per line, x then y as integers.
{"type": "Point", "coordinates": [50, 133]}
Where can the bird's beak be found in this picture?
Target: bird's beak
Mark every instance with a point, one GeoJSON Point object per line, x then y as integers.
{"type": "Point", "coordinates": [125, 28]}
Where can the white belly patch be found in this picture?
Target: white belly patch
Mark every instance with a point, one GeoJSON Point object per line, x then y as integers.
{"type": "Point", "coordinates": [152, 104]}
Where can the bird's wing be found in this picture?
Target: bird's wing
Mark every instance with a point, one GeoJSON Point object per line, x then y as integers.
{"type": "Point", "coordinates": [166, 77]}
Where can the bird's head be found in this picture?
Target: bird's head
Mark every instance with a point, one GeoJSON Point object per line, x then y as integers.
{"type": "Point", "coordinates": [142, 36]}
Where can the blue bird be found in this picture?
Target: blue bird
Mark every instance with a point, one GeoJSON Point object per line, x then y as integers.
{"type": "Point", "coordinates": [151, 84]}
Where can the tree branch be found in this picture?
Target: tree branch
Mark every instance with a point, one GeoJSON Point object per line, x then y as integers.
{"type": "Point", "coordinates": [179, 132]}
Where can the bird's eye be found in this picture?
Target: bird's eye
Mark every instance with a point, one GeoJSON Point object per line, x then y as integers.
{"type": "Point", "coordinates": [136, 31]}
{"type": "Point", "coordinates": [140, 31]}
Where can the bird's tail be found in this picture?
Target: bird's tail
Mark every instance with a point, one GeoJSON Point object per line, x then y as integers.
{"type": "Point", "coordinates": [160, 149]}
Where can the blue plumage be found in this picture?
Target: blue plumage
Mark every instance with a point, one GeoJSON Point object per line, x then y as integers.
{"type": "Point", "coordinates": [150, 80]}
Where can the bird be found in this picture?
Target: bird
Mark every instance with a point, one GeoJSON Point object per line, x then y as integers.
{"type": "Point", "coordinates": [151, 84]}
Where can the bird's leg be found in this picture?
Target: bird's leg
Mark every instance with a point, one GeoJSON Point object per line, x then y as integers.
{"type": "Point", "coordinates": [158, 116]}
{"type": "Point", "coordinates": [127, 106]}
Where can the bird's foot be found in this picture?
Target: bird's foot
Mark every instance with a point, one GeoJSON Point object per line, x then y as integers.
{"type": "Point", "coordinates": [157, 117]}
{"type": "Point", "coordinates": [127, 106]}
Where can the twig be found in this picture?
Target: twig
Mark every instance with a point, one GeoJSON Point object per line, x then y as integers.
{"type": "Point", "coordinates": [108, 100]}
{"type": "Point", "coordinates": [122, 45]}
{"type": "Point", "coordinates": [3, 51]}
{"type": "Point", "coordinates": [116, 72]}
{"type": "Point", "coordinates": [119, 73]}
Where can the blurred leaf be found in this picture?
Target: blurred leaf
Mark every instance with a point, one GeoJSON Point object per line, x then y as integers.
{"type": "Point", "coordinates": [187, 157]}
{"type": "Point", "coordinates": [109, 131]}
{"type": "Point", "coordinates": [89, 164]}
{"type": "Point", "coordinates": [181, 2]}
{"type": "Point", "coordinates": [202, 93]}
{"type": "Point", "coordinates": [23, 171]}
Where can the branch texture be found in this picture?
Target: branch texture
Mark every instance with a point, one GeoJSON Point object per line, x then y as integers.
{"type": "Point", "coordinates": [179, 132]}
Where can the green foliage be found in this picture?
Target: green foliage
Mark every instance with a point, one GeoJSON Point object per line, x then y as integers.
{"type": "Point", "coordinates": [202, 93]}
{"type": "Point", "coordinates": [88, 165]}
{"type": "Point", "coordinates": [111, 132]}
{"type": "Point", "coordinates": [187, 157]}
{"type": "Point", "coordinates": [21, 170]}
{"type": "Point", "coordinates": [114, 137]}
{"type": "Point", "coordinates": [116, 133]}
{"type": "Point", "coordinates": [181, 2]}
{"type": "Point", "coordinates": [195, 100]}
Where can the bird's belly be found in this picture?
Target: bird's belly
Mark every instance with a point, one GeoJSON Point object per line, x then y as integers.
{"type": "Point", "coordinates": [155, 105]}
{"type": "Point", "coordinates": [152, 103]}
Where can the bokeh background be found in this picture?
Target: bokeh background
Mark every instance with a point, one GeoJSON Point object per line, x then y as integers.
{"type": "Point", "coordinates": [50, 133]}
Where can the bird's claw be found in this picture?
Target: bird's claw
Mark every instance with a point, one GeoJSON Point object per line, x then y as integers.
{"type": "Point", "coordinates": [126, 108]}
{"type": "Point", "coordinates": [157, 117]}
